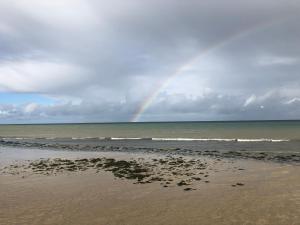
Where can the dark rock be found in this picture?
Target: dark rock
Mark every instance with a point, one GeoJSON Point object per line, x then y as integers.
{"type": "Point", "coordinates": [182, 183]}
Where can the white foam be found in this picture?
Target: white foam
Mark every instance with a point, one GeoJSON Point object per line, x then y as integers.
{"type": "Point", "coordinates": [82, 138]}
{"type": "Point", "coordinates": [121, 138]}
{"type": "Point", "coordinates": [166, 139]}
{"type": "Point", "coordinates": [262, 140]}
{"type": "Point", "coordinates": [221, 139]}
{"type": "Point", "coordinates": [17, 138]}
{"type": "Point", "coordinates": [192, 139]}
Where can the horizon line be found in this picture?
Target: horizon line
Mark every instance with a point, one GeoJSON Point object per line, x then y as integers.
{"type": "Point", "coordinates": [140, 122]}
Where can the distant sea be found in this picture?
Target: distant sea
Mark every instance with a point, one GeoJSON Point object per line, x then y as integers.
{"type": "Point", "coordinates": [275, 131]}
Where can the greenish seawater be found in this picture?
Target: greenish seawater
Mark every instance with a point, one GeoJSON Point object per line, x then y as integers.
{"type": "Point", "coordinates": [289, 130]}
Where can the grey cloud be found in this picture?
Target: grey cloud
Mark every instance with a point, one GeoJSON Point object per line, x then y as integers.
{"type": "Point", "coordinates": [110, 55]}
{"type": "Point", "coordinates": [212, 106]}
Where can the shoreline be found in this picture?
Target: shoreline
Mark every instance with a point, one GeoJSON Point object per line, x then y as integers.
{"type": "Point", "coordinates": [256, 150]}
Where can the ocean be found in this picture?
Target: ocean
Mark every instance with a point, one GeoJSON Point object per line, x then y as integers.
{"type": "Point", "coordinates": [239, 130]}
{"type": "Point", "coordinates": [266, 140]}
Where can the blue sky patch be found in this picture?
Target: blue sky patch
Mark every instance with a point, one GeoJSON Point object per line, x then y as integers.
{"type": "Point", "coordinates": [21, 98]}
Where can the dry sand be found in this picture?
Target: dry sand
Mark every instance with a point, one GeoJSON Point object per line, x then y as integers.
{"type": "Point", "coordinates": [270, 196]}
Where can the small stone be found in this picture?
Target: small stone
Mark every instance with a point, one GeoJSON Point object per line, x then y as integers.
{"type": "Point", "coordinates": [181, 183]}
{"type": "Point", "coordinates": [187, 189]}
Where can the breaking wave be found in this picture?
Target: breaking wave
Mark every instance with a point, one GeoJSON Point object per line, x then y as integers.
{"type": "Point", "coordinates": [152, 139]}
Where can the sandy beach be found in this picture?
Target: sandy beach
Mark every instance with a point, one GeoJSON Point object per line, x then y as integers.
{"type": "Point", "coordinates": [220, 191]}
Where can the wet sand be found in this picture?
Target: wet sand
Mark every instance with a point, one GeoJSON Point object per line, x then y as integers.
{"type": "Point", "coordinates": [237, 192]}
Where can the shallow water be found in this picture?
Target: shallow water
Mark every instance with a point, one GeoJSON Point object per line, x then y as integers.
{"type": "Point", "coordinates": [11, 155]}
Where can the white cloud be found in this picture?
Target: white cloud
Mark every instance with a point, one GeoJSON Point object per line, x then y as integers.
{"type": "Point", "coordinates": [62, 13]}
{"type": "Point", "coordinates": [38, 76]}
{"type": "Point", "coordinates": [277, 60]}
{"type": "Point", "coordinates": [250, 100]}
{"type": "Point", "coordinates": [3, 113]}
{"type": "Point", "coordinates": [29, 108]}
{"type": "Point", "coordinates": [293, 100]}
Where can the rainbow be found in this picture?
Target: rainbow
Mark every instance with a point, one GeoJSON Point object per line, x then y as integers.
{"type": "Point", "coordinates": [147, 101]}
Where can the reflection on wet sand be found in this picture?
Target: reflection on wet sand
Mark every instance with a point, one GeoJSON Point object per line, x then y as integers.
{"type": "Point", "coordinates": [114, 188]}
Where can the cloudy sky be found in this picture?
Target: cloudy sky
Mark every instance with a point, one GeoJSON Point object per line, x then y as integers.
{"type": "Point", "coordinates": [140, 60]}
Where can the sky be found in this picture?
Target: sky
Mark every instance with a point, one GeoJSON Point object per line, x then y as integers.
{"type": "Point", "coordinates": [139, 60]}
